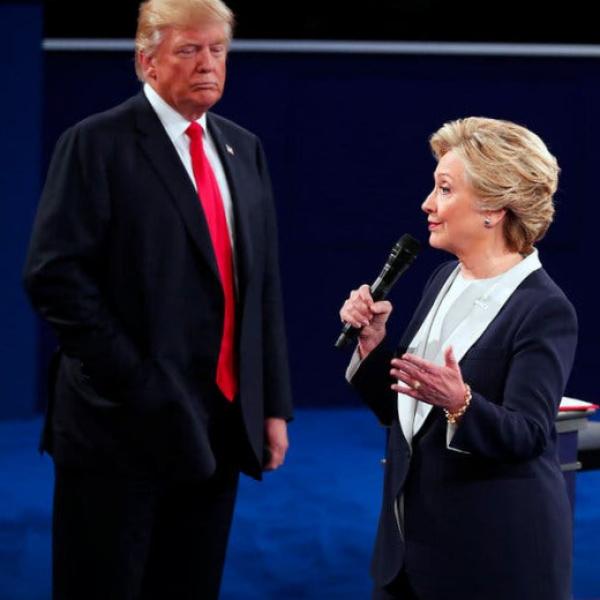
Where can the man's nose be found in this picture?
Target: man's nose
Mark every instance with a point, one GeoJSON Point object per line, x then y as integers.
{"type": "Point", "coordinates": [204, 60]}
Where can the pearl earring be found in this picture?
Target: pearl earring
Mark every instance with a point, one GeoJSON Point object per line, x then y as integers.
{"type": "Point", "coordinates": [487, 223]}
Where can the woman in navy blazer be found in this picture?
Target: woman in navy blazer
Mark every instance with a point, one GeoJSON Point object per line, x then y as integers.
{"type": "Point", "coordinates": [474, 505]}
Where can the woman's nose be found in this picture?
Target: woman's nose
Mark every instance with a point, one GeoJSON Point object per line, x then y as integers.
{"type": "Point", "coordinates": [428, 205]}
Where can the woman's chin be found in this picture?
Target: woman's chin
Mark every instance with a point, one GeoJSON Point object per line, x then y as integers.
{"type": "Point", "coordinates": [436, 241]}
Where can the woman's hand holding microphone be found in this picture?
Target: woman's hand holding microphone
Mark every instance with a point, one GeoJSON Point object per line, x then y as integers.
{"type": "Point", "coordinates": [368, 316]}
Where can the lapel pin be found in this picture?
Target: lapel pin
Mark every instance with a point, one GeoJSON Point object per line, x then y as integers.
{"type": "Point", "coordinates": [230, 149]}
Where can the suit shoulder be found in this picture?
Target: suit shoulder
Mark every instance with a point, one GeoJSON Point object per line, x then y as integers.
{"type": "Point", "coordinates": [539, 282]}
{"type": "Point", "coordinates": [100, 133]}
{"type": "Point", "coordinates": [231, 128]}
{"type": "Point", "coordinates": [114, 119]}
{"type": "Point", "coordinates": [539, 297]}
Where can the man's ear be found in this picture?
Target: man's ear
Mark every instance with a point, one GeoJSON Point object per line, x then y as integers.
{"type": "Point", "coordinates": [147, 63]}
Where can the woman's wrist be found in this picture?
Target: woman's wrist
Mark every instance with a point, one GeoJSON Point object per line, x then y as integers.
{"type": "Point", "coordinates": [367, 345]}
{"type": "Point", "coordinates": [455, 416]}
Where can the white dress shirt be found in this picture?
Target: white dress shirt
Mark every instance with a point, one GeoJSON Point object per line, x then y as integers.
{"type": "Point", "coordinates": [175, 125]}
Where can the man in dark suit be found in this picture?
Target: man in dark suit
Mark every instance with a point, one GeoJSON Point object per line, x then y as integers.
{"type": "Point", "coordinates": [154, 258]}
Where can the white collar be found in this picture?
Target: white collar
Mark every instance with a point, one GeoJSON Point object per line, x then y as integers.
{"type": "Point", "coordinates": [174, 123]}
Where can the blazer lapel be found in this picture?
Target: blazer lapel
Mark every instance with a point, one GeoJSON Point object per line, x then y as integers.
{"type": "Point", "coordinates": [230, 160]}
{"type": "Point", "coordinates": [158, 148]}
{"type": "Point", "coordinates": [422, 409]}
{"type": "Point", "coordinates": [406, 404]}
{"type": "Point", "coordinates": [424, 306]}
{"type": "Point", "coordinates": [487, 307]}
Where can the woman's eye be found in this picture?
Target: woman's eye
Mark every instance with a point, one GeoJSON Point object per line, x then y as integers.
{"type": "Point", "coordinates": [444, 189]}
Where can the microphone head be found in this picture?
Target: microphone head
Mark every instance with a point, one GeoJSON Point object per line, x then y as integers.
{"type": "Point", "coordinates": [406, 247]}
{"type": "Point", "coordinates": [401, 257]}
{"type": "Point", "coordinates": [403, 253]}
{"type": "Point", "coordinates": [409, 244]}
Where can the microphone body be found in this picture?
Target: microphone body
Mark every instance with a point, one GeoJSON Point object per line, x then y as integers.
{"type": "Point", "coordinates": [401, 257]}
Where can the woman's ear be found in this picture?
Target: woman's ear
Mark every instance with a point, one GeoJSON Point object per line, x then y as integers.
{"type": "Point", "coordinates": [493, 218]}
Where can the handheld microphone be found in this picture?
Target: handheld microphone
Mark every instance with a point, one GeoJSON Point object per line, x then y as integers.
{"type": "Point", "coordinates": [401, 257]}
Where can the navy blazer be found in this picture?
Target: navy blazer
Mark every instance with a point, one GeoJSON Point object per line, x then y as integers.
{"type": "Point", "coordinates": [492, 522]}
{"type": "Point", "coordinates": [121, 265]}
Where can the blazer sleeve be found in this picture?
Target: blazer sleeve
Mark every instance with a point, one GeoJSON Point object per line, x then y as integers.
{"type": "Point", "coordinates": [373, 382]}
{"type": "Point", "coordinates": [64, 268]}
{"type": "Point", "coordinates": [522, 424]}
{"type": "Point", "coordinates": [278, 396]}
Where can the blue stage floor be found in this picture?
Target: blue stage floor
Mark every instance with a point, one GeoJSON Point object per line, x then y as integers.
{"type": "Point", "coordinates": [305, 533]}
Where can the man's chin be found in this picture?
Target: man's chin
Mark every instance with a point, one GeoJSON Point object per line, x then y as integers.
{"type": "Point", "coordinates": [204, 99]}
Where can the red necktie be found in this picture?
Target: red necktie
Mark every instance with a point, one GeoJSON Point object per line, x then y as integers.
{"type": "Point", "coordinates": [212, 203]}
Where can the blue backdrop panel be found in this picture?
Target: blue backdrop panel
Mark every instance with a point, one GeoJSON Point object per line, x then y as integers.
{"type": "Point", "coordinates": [346, 137]}
{"type": "Point", "coordinates": [20, 153]}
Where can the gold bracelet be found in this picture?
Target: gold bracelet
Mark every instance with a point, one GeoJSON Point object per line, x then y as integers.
{"type": "Point", "coordinates": [455, 416]}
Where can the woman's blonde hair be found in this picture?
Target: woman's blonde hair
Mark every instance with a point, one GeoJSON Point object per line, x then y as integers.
{"type": "Point", "coordinates": [510, 168]}
{"type": "Point", "coordinates": [156, 15]}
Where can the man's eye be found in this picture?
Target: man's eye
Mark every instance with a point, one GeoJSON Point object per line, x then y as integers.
{"type": "Point", "coordinates": [186, 51]}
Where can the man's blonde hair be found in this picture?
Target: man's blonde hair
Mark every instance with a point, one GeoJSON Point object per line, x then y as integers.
{"type": "Point", "coordinates": [156, 15]}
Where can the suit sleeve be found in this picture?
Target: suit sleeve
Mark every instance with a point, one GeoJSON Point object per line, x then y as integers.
{"type": "Point", "coordinates": [372, 381]}
{"type": "Point", "coordinates": [278, 397]}
{"type": "Point", "coordinates": [522, 425]}
{"type": "Point", "coordinates": [65, 271]}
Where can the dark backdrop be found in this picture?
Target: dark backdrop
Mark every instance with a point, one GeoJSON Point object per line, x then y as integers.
{"type": "Point", "coordinates": [457, 20]}
{"type": "Point", "coordinates": [346, 137]}
{"type": "Point", "coordinates": [20, 158]}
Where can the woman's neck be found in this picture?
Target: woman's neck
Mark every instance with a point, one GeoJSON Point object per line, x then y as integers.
{"type": "Point", "coordinates": [486, 264]}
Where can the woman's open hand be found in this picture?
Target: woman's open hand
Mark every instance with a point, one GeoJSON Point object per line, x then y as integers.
{"type": "Point", "coordinates": [421, 379]}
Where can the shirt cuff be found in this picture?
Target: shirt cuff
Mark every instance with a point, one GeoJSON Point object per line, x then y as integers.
{"type": "Point", "coordinates": [450, 431]}
{"type": "Point", "coordinates": [354, 365]}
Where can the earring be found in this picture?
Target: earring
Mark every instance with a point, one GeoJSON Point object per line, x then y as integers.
{"type": "Point", "coordinates": [487, 223]}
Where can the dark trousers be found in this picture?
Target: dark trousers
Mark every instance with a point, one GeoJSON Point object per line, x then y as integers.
{"type": "Point", "coordinates": [115, 538]}
{"type": "Point", "coordinates": [399, 589]}
{"type": "Point", "coordinates": [130, 536]}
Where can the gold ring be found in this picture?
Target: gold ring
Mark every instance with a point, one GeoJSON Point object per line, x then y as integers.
{"type": "Point", "coordinates": [416, 385]}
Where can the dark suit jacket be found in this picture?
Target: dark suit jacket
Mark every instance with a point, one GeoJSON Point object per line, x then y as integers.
{"type": "Point", "coordinates": [121, 265]}
{"type": "Point", "coordinates": [493, 523]}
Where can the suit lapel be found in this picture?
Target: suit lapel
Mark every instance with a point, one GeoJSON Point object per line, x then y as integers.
{"type": "Point", "coordinates": [158, 148]}
{"type": "Point", "coordinates": [407, 404]}
{"type": "Point", "coordinates": [424, 306]}
{"type": "Point", "coordinates": [486, 308]}
{"type": "Point", "coordinates": [230, 159]}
